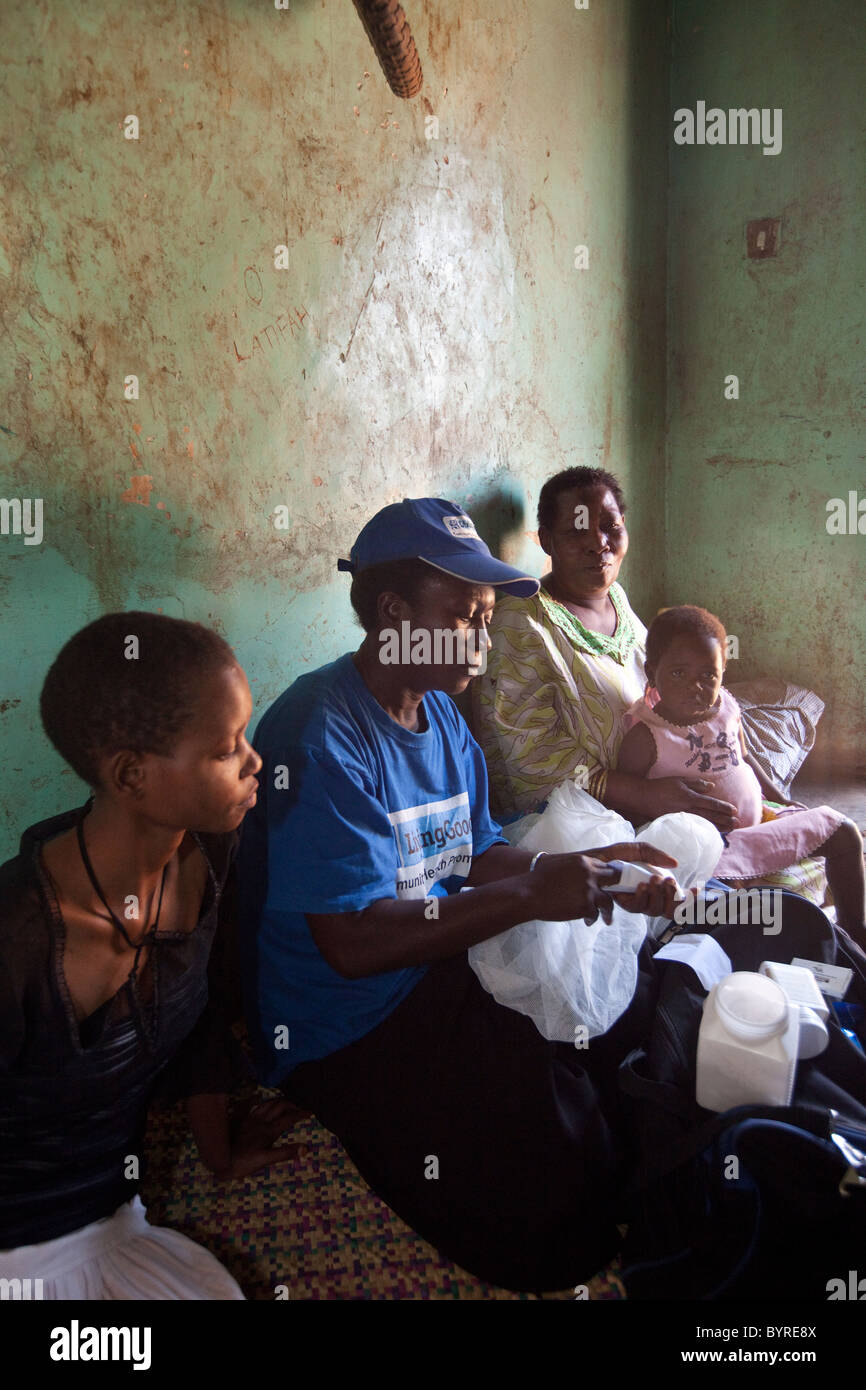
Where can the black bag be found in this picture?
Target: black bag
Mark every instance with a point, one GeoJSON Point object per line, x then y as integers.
{"type": "Point", "coordinates": [759, 1202]}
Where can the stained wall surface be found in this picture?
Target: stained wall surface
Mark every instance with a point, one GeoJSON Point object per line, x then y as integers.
{"type": "Point", "coordinates": [430, 335]}
{"type": "Point", "coordinates": [749, 480]}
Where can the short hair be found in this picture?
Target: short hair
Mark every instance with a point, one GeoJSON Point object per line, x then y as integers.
{"type": "Point", "coordinates": [686, 620]}
{"type": "Point", "coordinates": [96, 701]}
{"type": "Point", "coordinates": [570, 478]}
{"type": "Point", "coordinates": [404, 577]}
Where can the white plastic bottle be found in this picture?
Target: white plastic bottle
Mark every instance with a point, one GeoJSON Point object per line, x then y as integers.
{"type": "Point", "coordinates": [800, 987]}
{"type": "Point", "coordinates": [747, 1045]}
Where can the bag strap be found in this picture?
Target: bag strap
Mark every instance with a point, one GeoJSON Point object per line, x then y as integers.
{"type": "Point", "coordinates": [814, 1119]}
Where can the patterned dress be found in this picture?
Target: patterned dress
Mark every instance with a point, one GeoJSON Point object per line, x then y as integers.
{"type": "Point", "coordinates": [550, 704]}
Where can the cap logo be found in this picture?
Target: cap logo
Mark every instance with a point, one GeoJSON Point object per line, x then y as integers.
{"type": "Point", "coordinates": [461, 527]}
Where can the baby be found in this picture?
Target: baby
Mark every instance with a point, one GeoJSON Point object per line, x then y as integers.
{"type": "Point", "coordinates": [687, 725]}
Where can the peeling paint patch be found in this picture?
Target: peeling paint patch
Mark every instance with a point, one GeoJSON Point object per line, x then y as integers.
{"type": "Point", "coordinates": [139, 490]}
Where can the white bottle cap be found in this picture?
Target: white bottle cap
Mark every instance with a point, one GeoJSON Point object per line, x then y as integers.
{"type": "Point", "coordinates": [751, 1006]}
{"type": "Point", "coordinates": [813, 1033]}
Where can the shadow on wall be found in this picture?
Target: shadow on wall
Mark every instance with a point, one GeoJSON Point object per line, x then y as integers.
{"type": "Point", "coordinates": [500, 518]}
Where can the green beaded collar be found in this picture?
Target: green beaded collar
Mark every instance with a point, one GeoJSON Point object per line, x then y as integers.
{"type": "Point", "coordinates": [619, 645]}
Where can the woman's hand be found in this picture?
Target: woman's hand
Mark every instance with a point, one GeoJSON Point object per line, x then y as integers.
{"type": "Point", "coordinates": [254, 1132]}
{"type": "Point", "coordinates": [245, 1144]}
{"type": "Point", "coordinates": [573, 885]}
{"type": "Point", "coordinates": [566, 886]}
{"type": "Point", "coordinates": [656, 898]}
{"type": "Point", "coordinates": [678, 794]}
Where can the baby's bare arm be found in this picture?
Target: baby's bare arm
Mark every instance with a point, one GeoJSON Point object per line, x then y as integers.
{"type": "Point", "coordinates": [637, 752]}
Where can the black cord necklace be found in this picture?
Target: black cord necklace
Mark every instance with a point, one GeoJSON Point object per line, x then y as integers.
{"type": "Point", "coordinates": [116, 920]}
{"type": "Point", "coordinates": [149, 933]}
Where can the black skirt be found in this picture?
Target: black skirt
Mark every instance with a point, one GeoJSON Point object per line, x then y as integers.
{"type": "Point", "coordinates": [502, 1149]}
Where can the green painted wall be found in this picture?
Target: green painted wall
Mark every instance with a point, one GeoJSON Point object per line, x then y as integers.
{"type": "Point", "coordinates": [748, 480]}
{"type": "Point", "coordinates": [431, 334]}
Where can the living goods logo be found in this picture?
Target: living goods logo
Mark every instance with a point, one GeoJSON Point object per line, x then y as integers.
{"type": "Point", "coordinates": [434, 841]}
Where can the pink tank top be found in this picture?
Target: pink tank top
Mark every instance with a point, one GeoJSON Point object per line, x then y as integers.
{"type": "Point", "coordinates": [709, 750]}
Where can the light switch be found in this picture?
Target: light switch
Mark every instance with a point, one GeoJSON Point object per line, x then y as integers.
{"type": "Point", "coordinates": [762, 238]}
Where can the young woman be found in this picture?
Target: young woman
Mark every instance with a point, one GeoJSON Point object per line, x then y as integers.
{"type": "Point", "coordinates": [107, 921]}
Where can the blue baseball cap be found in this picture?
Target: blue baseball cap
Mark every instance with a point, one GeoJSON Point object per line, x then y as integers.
{"type": "Point", "coordinates": [441, 534]}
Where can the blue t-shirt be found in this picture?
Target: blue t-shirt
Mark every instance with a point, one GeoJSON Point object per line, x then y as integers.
{"type": "Point", "coordinates": [351, 808]}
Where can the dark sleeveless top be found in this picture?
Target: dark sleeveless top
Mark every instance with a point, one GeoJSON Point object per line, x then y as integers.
{"type": "Point", "coordinates": [74, 1096]}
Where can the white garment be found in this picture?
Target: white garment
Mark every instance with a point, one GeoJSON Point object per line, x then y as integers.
{"type": "Point", "coordinates": [120, 1257]}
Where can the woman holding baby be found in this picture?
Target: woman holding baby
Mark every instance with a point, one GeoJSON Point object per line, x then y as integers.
{"type": "Point", "coordinates": [565, 667]}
